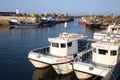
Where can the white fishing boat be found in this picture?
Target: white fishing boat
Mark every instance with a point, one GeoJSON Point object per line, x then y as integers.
{"type": "Point", "coordinates": [112, 30]}
{"type": "Point", "coordinates": [100, 60]}
{"type": "Point", "coordinates": [59, 53]}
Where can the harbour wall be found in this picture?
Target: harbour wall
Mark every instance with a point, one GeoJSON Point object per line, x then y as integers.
{"type": "Point", "coordinates": [4, 19]}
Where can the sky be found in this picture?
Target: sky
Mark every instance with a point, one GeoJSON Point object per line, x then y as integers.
{"type": "Point", "coordinates": [72, 7]}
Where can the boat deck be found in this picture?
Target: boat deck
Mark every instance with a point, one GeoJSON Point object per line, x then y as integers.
{"type": "Point", "coordinates": [82, 45]}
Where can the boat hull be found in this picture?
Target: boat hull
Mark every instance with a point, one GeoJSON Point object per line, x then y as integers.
{"type": "Point", "coordinates": [39, 60]}
{"type": "Point", "coordinates": [38, 64]}
{"type": "Point", "coordinates": [60, 64]}
{"type": "Point", "coordinates": [83, 76]}
{"type": "Point", "coordinates": [47, 22]}
{"type": "Point", "coordinates": [18, 26]}
{"type": "Point", "coordinates": [81, 23]}
{"type": "Point", "coordinates": [93, 25]}
{"type": "Point", "coordinates": [22, 25]}
{"type": "Point", "coordinates": [89, 70]}
{"type": "Point", "coordinates": [63, 69]}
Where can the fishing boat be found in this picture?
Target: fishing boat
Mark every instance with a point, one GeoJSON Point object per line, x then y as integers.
{"type": "Point", "coordinates": [112, 30]}
{"type": "Point", "coordinates": [100, 60]}
{"type": "Point", "coordinates": [15, 23]}
{"type": "Point", "coordinates": [47, 21]}
{"type": "Point", "coordinates": [82, 22]}
{"type": "Point", "coordinates": [93, 25]}
{"type": "Point", "coordinates": [58, 54]}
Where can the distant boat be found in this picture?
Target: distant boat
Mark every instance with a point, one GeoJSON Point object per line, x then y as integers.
{"type": "Point", "coordinates": [47, 21]}
{"type": "Point", "coordinates": [59, 53]}
{"type": "Point", "coordinates": [93, 25]}
{"type": "Point", "coordinates": [111, 31]}
{"type": "Point", "coordinates": [63, 20]}
{"type": "Point", "coordinates": [15, 23]}
{"type": "Point", "coordinates": [81, 22]}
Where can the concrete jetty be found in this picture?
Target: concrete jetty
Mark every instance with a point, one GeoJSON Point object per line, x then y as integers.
{"type": "Point", "coordinates": [4, 19]}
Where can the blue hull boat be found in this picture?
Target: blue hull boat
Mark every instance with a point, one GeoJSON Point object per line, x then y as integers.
{"type": "Point", "coordinates": [14, 23]}
{"type": "Point", "coordinates": [47, 21]}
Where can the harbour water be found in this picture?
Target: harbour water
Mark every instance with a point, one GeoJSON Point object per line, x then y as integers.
{"type": "Point", "coordinates": [15, 44]}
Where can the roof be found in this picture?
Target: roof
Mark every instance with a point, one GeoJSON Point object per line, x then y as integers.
{"type": "Point", "coordinates": [66, 37]}
{"type": "Point", "coordinates": [108, 42]}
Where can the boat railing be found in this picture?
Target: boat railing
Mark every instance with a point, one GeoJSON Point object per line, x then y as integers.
{"type": "Point", "coordinates": [84, 45]}
{"type": "Point", "coordinates": [43, 50]}
{"type": "Point", "coordinates": [102, 65]}
{"type": "Point", "coordinates": [84, 56]}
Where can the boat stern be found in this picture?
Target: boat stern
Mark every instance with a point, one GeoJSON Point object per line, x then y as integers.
{"type": "Point", "coordinates": [88, 69]}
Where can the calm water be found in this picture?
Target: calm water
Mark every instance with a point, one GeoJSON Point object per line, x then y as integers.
{"type": "Point", "coordinates": [15, 44]}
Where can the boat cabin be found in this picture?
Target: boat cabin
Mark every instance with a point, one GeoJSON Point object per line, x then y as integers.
{"type": "Point", "coordinates": [113, 29]}
{"type": "Point", "coordinates": [106, 51]}
{"type": "Point", "coordinates": [64, 45]}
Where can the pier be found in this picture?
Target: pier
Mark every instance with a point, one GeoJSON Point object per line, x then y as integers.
{"type": "Point", "coordinates": [4, 19]}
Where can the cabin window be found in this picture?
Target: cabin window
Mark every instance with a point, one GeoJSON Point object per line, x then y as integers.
{"type": "Point", "coordinates": [101, 51]}
{"type": "Point", "coordinates": [114, 29]}
{"type": "Point", "coordinates": [94, 50]}
{"type": "Point", "coordinates": [63, 45]}
{"type": "Point", "coordinates": [55, 45]}
{"type": "Point", "coordinates": [113, 53]}
{"type": "Point", "coordinates": [69, 44]}
{"type": "Point", "coordinates": [86, 57]}
{"type": "Point", "coordinates": [83, 58]}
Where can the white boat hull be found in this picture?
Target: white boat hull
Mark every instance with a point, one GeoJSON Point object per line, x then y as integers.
{"type": "Point", "coordinates": [59, 53]}
{"type": "Point", "coordinates": [90, 70]}
{"type": "Point", "coordinates": [38, 64]}
{"type": "Point", "coordinates": [63, 68]}
{"type": "Point", "coordinates": [83, 76]}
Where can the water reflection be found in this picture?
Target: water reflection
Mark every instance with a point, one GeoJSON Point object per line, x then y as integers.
{"type": "Point", "coordinates": [50, 74]}
{"type": "Point", "coordinates": [44, 74]}
{"type": "Point", "coordinates": [70, 76]}
{"type": "Point", "coordinates": [4, 27]}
